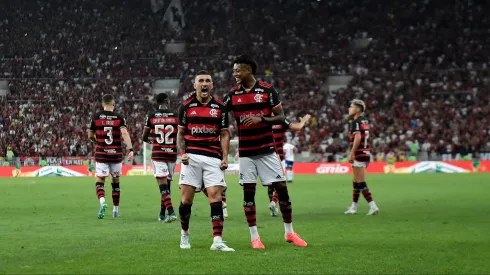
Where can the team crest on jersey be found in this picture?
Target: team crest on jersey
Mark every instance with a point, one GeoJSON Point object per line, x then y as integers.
{"type": "Point", "coordinates": [102, 116]}
{"type": "Point", "coordinates": [259, 90]}
{"type": "Point", "coordinates": [258, 98]}
{"type": "Point", "coordinates": [213, 112]}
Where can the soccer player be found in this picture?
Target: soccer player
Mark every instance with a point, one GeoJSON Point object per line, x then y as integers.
{"type": "Point", "coordinates": [360, 156]}
{"type": "Point", "coordinates": [106, 130]}
{"type": "Point", "coordinates": [161, 131]}
{"type": "Point", "coordinates": [253, 103]}
{"type": "Point", "coordinates": [279, 131]}
{"type": "Point", "coordinates": [203, 141]}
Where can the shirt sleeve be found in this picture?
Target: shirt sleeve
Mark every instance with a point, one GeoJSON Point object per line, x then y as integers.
{"type": "Point", "coordinates": [224, 119]}
{"type": "Point", "coordinates": [286, 123]}
{"type": "Point", "coordinates": [92, 124]}
{"type": "Point", "coordinates": [147, 121]}
{"type": "Point", "coordinates": [228, 103]}
{"type": "Point", "coordinates": [274, 98]}
{"type": "Point", "coordinates": [182, 117]}
{"type": "Point", "coordinates": [123, 123]}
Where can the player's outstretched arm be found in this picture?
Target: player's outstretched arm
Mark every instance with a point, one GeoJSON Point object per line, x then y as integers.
{"type": "Point", "coordinates": [91, 135]}
{"type": "Point", "coordinates": [298, 126]}
{"type": "Point", "coordinates": [278, 117]}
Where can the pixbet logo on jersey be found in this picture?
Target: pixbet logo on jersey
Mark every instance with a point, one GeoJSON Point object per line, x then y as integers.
{"type": "Point", "coordinates": [203, 130]}
{"type": "Point", "coordinates": [244, 116]}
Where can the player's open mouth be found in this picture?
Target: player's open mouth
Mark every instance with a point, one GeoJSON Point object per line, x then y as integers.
{"type": "Point", "coordinates": [237, 79]}
{"type": "Point", "coordinates": [204, 90]}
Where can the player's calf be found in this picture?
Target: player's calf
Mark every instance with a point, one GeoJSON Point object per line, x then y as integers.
{"type": "Point", "coordinates": [287, 215]}
{"type": "Point", "coordinates": [99, 190]}
{"type": "Point", "coordinates": [116, 195]}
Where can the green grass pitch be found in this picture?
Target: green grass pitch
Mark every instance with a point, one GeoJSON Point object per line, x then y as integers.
{"type": "Point", "coordinates": [428, 224]}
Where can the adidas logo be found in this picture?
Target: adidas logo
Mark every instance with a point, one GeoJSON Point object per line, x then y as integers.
{"type": "Point", "coordinates": [239, 100]}
{"type": "Point", "coordinates": [193, 113]}
{"type": "Point", "coordinates": [222, 180]}
{"type": "Point", "coordinates": [279, 177]}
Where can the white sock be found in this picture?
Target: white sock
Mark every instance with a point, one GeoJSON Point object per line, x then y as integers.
{"type": "Point", "coordinates": [184, 232]}
{"type": "Point", "coordinates": [354, 205]}
{"type": "Point", "coordinates": [102, 200]}
{"type": "Point", "coordinates": [253, 232]}
{"type": "Point", "coordinates": [372, 204]}
{"type": "Point", "coordinates": [289, 175]}
{"type": "Point", "coordinates": [288, 228]}
{"type": "Point", "coordinates": [115, 209]}
{"type": "Point", "coordinates": [218, 239]}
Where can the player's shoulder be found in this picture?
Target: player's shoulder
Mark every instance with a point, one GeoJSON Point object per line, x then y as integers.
{"type": "Point", "coordinates": [264, 84]}
{"type": "Point", "coordinates": [188, 100]}
{"type": "Point", "coordinates": [363, 119]}
{"type": "Point", "coordinates": [235, 89]}
{"type": "Point", "coordinates": [218, 102]}
{"type": "Point", "coordinates": [118, 115]}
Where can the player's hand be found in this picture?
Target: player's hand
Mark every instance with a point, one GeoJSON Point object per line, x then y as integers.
{"type": "Point", "coordinates": [352, 157]}
{"type": "Point", "coordinates": [251, 120]}
{"type": "Point", "coordinates": [130, 156]}
{"type": "Point", "coordinates": [185, 159]}
{"type": "Point", "coordinates": [224, 164]}
{"type": "Point", "coordinates": [305, 119]}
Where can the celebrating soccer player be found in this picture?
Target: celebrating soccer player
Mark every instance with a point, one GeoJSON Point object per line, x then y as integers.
{"type": "Point", "coordinates": [360, 156]}
{"type": "Point", "coordinates": [203, 141]}
{"type": "Point", "coordinates": [253, 103]}
{"type": "Point", "coordinates": [279, 131]}
{"type": "Point", "coordinates": [106, 130]}
{"type": "Point", "coordinates": [161, 131]}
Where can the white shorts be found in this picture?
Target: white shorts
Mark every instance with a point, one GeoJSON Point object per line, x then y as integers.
{"type": "Point", "coordinates": [360, 164]}
{"type": "Point", "coordinates": [106, 169]}
{"type": "Point", "coordinates": [163, 169]}
{"type": "Point", "coordinates": [202, 172]}
{"type": "Point", "coordinates": [267, 167]}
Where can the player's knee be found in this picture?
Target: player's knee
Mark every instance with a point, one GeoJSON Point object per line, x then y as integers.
{"type": "Point", "coordinates": [186, 200]}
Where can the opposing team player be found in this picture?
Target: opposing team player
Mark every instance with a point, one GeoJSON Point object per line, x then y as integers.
{"type": "Point", "coordinates": [360, 156]}
{"type": "Point", "coordinates": [279, 131]}
{"type": "Point", "coordinates": [161, 131]}
{"type": "Point", "coordinates": [203, 141]}
{"type": "Point", "coordinates": [253, 103]}
{"type": "Point", "coordinates": [106, 130]}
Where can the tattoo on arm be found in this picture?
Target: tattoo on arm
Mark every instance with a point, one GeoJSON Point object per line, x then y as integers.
{"type": "Point", "coordinates": [181, 141]}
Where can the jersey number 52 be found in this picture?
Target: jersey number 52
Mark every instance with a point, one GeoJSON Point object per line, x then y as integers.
{"type": "Point", "coordinates": [164, 132]}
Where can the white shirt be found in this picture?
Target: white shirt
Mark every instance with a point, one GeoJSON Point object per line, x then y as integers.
{"type": "Point", "coordinates": [288, 151]}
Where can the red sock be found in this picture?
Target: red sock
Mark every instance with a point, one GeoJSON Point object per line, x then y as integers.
{"type": "Point", "coordinates": [217, 219]}
{"type": "Point", "coordinates": [116, 194]}
{"type": "Point", "coordinates": [249, 204]}
{"type": "Point", "coordinates": [365, 191]}
{"type": "Point", "coordinates": [167, 202]}
{"type": "Point", "coordinates": [285, 205]}
{"type": "Point", "coordinates": [355, 192]}
{"type": "Point", "coordinates": [99, 190]}
{"type": "Point", "coordinates": [223, 197]}
{"type": "Point", "coordinates": [275, 198]}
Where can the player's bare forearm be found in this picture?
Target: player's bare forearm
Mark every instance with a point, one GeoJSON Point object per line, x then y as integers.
{"type": "Point", "coordinates": [278, 117]}
{"type": "Point", "coordinates": [298, 126]}
{"type": "Point", "coordinates": [357, 141]}
{"type": "Point", "coordinates": [91, 136]}
{"type": "Point", "coordinates": [181, 141]}
{"type": "Point", "coordinates": [146, 134]}
{"type": "Point", "coordinates": [126, 138]}
{"type": "Point", "coordinates": [225, 142]}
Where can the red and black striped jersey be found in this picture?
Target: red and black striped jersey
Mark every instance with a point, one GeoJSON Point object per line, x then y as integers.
{"type": "Point", "coordinates": [107, 127]}
{"type": "Point", "coordinates": [259, 101]}
{"type": "Point", "coordinates": [360, 125]}
{"type": "Point", "coordinates": [278, 132]}
{"type": "Point", "coordinates": [203, 124]}
{"type": "Point", "coordinates": [163, 131]}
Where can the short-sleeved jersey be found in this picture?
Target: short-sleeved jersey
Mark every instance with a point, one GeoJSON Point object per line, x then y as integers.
{"type": "Point", "coordinates": [278, 132]}
{"type": "Point", "coordinates": [202, 124]}
{"type": "Point", "coordinates": [107, 127]}
{"type": "Point", "coordinates": [259, 101]}
{"type": "Point", "coordinates": [361, 125]}
{"type": "Point", "coordinates": [289, 152]}
{"type": "Point", "coordinates": [163, 131]}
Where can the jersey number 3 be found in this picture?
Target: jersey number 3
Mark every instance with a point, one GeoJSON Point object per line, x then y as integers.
{"type": "Point", "coordinates": [109, 138]}
{"type": "Point", "coordinates": [164, 132]}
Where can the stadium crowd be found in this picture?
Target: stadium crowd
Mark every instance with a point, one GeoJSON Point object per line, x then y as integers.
{"type": "Point", "coordinates": [424, 74]}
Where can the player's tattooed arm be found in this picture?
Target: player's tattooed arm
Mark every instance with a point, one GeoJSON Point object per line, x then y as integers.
{"type": "Point", "coordinates": [126, 137]}
{"type": "Point", "coordinates": [225, 142]}
{"type": "Point", "coordinates": [278, 117]}
{"type": "Point", "coordinates": [181, 140]}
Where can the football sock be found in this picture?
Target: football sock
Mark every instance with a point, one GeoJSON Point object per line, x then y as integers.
{"type": "Point", "coordinates": [365, 191]}
{"type": "Point", "coordinates": [270, 193]}
{"type": "Point", "coordinates": [116, 195]}
{"type": "Point", "coordinates": [285, 204]}
{"type": "Point", "coordinates": [185, 215]}
{"type": "Point", "coordinates": [99, 190]}
{"type": "Point", "coordinates": [250, 209]}
{"type": "Point", "coordinates": [289, 175]}
{"type": "Point", "coordinates": [167, 200]}
{"type": "Point", "coordinates": [217, 219]}
{"type": "Point", "coordinates": [355, 194]}
{"type": "Point", "coordinates": [275, 197]}
{"type": "Point", "coordinates": [223, 197]}
{"type": "Point", "coordinates": [162, 201]}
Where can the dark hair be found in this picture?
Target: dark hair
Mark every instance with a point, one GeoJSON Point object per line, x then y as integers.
{"type": "Point", "coordinates": [202, 72]}
{"type": "Point", "coordinates": [162, 98]}
{"type": "Point", "coordinates": [247, 60]}
{"type": "Point", "coordinates": [107, 99]}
